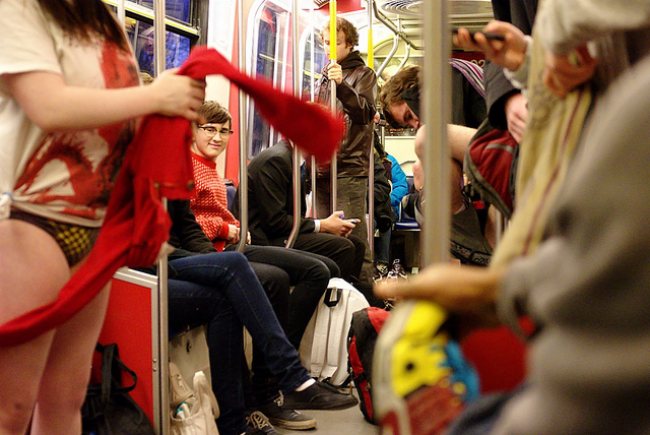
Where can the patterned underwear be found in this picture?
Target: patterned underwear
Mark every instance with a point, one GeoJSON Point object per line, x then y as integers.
{"type": "Point", "coordinates": [75, 241]}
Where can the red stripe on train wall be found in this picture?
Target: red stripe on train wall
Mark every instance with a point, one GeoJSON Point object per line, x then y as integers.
{"type": "Point", "coordinates": [344, 6]}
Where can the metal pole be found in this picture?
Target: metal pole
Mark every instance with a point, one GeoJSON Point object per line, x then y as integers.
{"type": "Point", "coordinates": [163, 292]}
{"type": "Point", "coordinates": [390, 55]}
{"type": "Point", "coordinates": [243, 151]}
{"type": "Point", "coordinates": [295, 64]}
{"type": "Point", "coordinates": [386, 22]}
{"type": "Point", "coordinates": [371, 157]}
{"type": "Point", "coordinates": [437, 99]}
{"type": "Point", "coordinates": [333, 165]}
{"type": "Point", "coordinates": [312, 175]}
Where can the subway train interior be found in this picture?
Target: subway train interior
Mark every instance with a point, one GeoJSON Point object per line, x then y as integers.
{"type": "Point", "coordinates": [407, 85]}
{"type": "Point", "coordinates": [261, 42]}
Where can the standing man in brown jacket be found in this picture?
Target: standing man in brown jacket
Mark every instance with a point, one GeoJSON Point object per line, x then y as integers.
{"type": "Point", "coordinates": [356, 87]}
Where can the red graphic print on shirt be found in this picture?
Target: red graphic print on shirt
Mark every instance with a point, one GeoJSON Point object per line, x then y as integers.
{"type": "Point", "coordinates": [73, 172]}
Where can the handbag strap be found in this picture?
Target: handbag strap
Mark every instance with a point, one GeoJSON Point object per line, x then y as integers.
{"type": "Point", "coordinates": [112, 369]}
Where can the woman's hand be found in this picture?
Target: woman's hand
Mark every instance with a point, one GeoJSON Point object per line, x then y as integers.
{"type": "Point", "coordinates": [563, 73]}
{"type": "Point", "coordinates": [177, 95]}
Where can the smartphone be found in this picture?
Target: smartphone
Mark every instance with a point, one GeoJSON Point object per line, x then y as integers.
{"type": "Point", "coordinates": [490, 36]}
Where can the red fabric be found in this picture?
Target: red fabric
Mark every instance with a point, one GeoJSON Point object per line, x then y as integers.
{"type": "Point", "coordinates": [157, 165]}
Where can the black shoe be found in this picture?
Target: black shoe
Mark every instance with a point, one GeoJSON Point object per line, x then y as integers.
{"type": "Point", "coordinates": [258, 424]}
{"type": "Point", "coordinates": [281, 416]}
{"type": "Point", "coordinates": [319, 396]}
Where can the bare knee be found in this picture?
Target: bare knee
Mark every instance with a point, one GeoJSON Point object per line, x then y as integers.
{"type": "Point", "coordinates": [64, 398]}
{"type": "Point", "coordinates": [15, 416]}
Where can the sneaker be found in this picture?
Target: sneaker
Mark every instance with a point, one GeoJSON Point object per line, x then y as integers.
{"type": "Point", "coordinates": [258, 424]}
{"type": "Point", "coordinates": [380, 272]}
{"type": "Point", "coordinates": [288, 418]}
{"type": "Point", "coordinates": [397, 270]}
{"type": "Point", "coordinates": [319, 396]}
{"type": "Point", "coordinates": [420, 379]}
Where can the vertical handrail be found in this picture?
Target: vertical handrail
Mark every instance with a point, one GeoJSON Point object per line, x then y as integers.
{"type": "Point", "coordinates": [333, 165]}
{"type": "Point", "coordinates": [243, 151]}
{"type": "Point", "coordinates": [371, 157]}
{"type": "Point", "coordinates": [162, 355]}
{"type": "Point", "coordinates": [437, 99]}
{"type": "Point", "coordinates": [371, 45]}
{"type": "Point", "coordinates": [297, 212]}
{"type": "Point", "coordinates": [312, 175]}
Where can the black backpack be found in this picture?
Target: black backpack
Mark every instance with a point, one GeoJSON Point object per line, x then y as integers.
{"type": "Point", "coordinates": [364, 328]}
{"type": "Point", "coordinates": [108, 408]}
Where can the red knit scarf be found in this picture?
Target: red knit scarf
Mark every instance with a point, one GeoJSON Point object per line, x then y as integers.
{"type": "Point", "coordinates": [158, 165]}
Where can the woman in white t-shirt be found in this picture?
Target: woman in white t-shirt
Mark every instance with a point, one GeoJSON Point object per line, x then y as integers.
{"type": "Point", "coordinates": [69, 96]}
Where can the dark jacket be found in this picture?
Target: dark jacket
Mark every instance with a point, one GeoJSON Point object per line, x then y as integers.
{"type": "Point", "coordinates": [384, 215]}
{"type": "Point", "coordinates": [356, 97]}
{"type": "Point", "coordinates": [498, 88]}
{"type": "Point", "coordinates": [270, 197]}
{"type": "Point", "coordinates": [186, 235]}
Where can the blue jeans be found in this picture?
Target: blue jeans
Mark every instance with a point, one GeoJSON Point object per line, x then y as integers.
{"type": "Point", "coordinates": [382, 247]}
{"type": "Point", "coordinates": [221, 290]}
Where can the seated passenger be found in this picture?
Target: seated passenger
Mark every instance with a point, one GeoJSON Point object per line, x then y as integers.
{"type": "Point", "coordinates": [221, 290]}
{"type": "Point", "coordinates": [398, 189]}
{"type": "Point", "coordinates": [270, 203]}
{"type": "Point", "coordinates": [308, 273]}
{"type": "Point", "coordinates": [468, 241]}
{"type": "Point", "coordinates": [400, 96]}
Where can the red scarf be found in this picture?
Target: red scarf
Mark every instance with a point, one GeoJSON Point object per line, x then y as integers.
{"type": "Point", "coordinates": [158, 165]}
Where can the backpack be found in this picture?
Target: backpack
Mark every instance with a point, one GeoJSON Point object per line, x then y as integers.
{"type": "Point", "coordinates": [421, 380]}
{"type": "Point", "coordinates": [490, 165]}
{"type": "Point", "coordinates": [362, 337]}
{"type": "Point", "coordinates": [108, 408]}
{"type": "Point", "coordinates": [323, 348]}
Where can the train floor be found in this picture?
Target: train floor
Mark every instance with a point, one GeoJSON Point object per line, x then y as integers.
{"type": "Point", "coordinates": [343, 422]}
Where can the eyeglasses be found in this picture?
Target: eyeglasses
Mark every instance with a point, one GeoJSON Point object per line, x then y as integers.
{"type": "Point", "coordinates": [211, 131]}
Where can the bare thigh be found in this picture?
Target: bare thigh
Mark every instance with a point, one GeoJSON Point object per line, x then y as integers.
{"type": "Point", "coordinates": [32, 270]}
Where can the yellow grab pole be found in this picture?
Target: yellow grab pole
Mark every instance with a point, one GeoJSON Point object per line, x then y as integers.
{"type": "Point", "coordinates": [333, 29]}
{"type": "Point", "coordinates": [333, 166]}
{"type": "Point", "coordinates": [371, 46]}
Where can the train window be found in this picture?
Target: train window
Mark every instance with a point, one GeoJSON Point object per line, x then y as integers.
{"type": "Point", "coordinates": [141, 37]}
{"type": "Point", "coordinates": [179, 9]}
{"type": "Point", "coordinates": [270, 57]}
{"type": "Point", "coordinates": [270, 51]}
{"type": "Point", "coordinates": [311, 71]}
{"type": "Point", "coordinates": [180, 35]}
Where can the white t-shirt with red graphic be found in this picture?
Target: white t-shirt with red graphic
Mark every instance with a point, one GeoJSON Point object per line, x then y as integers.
{"type": "Point", "coordinates": [65, 176]}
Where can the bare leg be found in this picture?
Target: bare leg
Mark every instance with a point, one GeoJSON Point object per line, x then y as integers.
{"type": "Point", "coordinates": [33, 270]}
{"type": "Point", "coordinates": [50, 372]}
{"type": "Point", "coordinates": [65, 379]}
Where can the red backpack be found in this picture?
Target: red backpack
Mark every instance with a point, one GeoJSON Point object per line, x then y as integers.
{"type": "Point", "coordinates": [362, 337]}
{"type": "Point", "coordinates": [490, 166]}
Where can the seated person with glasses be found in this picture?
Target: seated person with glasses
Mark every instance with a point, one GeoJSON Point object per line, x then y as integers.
{"type": "Point", "coordinates": [308, 273]}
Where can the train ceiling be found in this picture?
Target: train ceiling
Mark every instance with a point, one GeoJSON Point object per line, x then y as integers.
{"type": "Point", "coordinates": [473, 14]}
